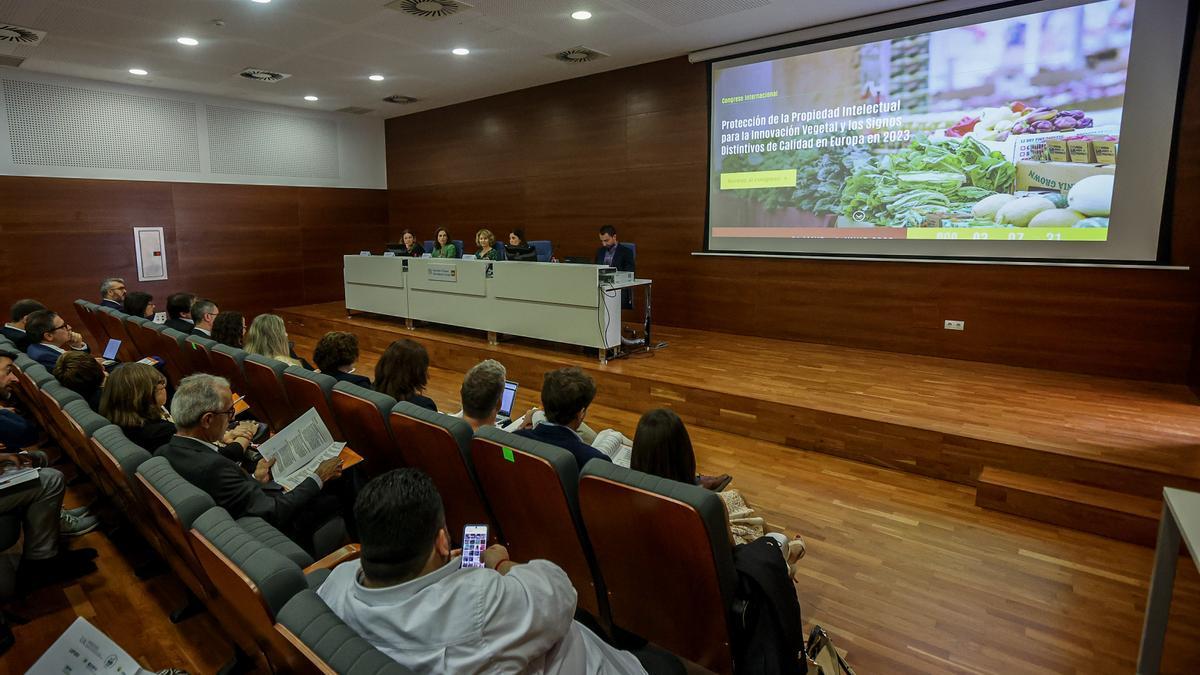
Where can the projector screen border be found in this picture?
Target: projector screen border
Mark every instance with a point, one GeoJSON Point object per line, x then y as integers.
{"type": "Point", "coordinates": [946, 261]}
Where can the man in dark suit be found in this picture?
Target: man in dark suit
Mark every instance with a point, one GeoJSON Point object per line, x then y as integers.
{"type": "Point", "coordinates": [204, 312]}
{"type": "Point", "coordinates": [112, 293]}
{"type": "Point", "coordinates": [566, 395]}
{"type": "Point", "coordinates": [49, 337]}
{"type": "Point", "coordinates": [614, 254]}
{"type": "Point", "coordinates": [179, 312]}
{"type": "Point", "coordinates": [15, 329]}
{"type": "Point", "coordinates": [202, 408]}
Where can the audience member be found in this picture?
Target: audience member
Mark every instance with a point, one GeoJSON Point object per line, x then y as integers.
{"type": "Point", "coordinates": [40, 506]}
{"type": "Point", "coordinates": [15, 329]}
{"type": "Point", "coordinates": [135, 399]}
{"type": "Point", "coordinates": [482, 392]}
{"type": "Point", "coordinates": [412, 248]}
{"type": "Point", "coordinates": [336, 354]}
{"type": "Point", "coordinates": [408, 596]}
{"type": "Point", "coordinates": [229, 328]}
{"type": "Point", "coordinates": [442, 246]}
{"type": "Point", "coordinates": [179, 312]}
{"type": "Point", "coordinates": [403, 371]}
{"type": "Point", "coordinates": [663, 448]}
{"type": "Point", "coordinates": [268, 337]}
{"type": "Point", "coordinates": [82, 374]}
{"type": "Point", "coordinates": [16, 431]}
{"type": "Point", "coordinates": [202, 408]}
{"type": "Point", "coordinates": [487, 245]}
{"type": "Point", "coordinates": [204, 312]}
{"type": "Point", "coordinates": [566, 395]}
{"type": "Point", "coordinates": [139, 303]}
{"type": "Point", "coordinates": [49, 337]}
{"type": "Point", "coordinates": [112, 293]}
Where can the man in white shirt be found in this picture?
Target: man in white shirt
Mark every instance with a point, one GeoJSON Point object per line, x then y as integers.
{"type": "Point", "coordinates": [408, 596]}
{"type": "Point", "coordinates": [482, 393]}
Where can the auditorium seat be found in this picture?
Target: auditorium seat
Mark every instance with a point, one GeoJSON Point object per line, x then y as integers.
{"type": "Point", "coordinates": [52, 398]}
{"type": "Point", "coordinates": [306, 389]}
{"type": "Point", "coordinates": [440, 445]}
{"type": "Point", "coordinates": [265, 388]}
{"type": "Point", "coordinates": [81, 423]}
{"type": "Point", "coordinates": [532, 488]}
{"type": "Point", "coordinates": [200, 348]}
{"type": "Point", "coordinates": [325, 644]}
{"type": "Point", "coordinates": [114, 327]}
{"type": "Point", "coordinates": [91, 322]}
{"type": "Point", "coordinates": [362, 416]}
{"type": "Point", "coordinates": [664, 552]}
{"type": "Point", "coordinates": [119, 459]}
{"type": "Point", "coordinates": [143, 337]}
{"type": "Point", "coordinates": [174, 505]}
{"type": "Point", "coordinates": [228, 362]}
{"type": "Point", "coordinates": [252, 582]}
{"type": "Point", "coordinates": [544, 248]}
{"type": "Point", "coordinates": [176, 361]}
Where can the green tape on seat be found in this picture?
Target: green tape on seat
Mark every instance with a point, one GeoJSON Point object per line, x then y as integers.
{"type": "Point", "coordinates": [508, 454]}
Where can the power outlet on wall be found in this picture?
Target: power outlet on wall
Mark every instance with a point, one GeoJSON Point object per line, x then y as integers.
{"type": "Point", "coordinates": [955, 325]}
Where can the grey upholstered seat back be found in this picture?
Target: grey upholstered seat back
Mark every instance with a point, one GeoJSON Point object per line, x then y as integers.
{"type": "Point", "coordinates": [455, 426]}
{"type": "Point", "coordinates": [382, 401]}
{"type": "Point", "coordinates": [341, 649]}
{"type": "Point", "coordinates": [186, 499]}
{"type": "Point", "coordinates": [129, 455]}
{"type": "Point", "coordinates": [61, 394]}
{"type": "Point", "coordinates": [87, 419]}
{"type": "Point", "coordinates": [266, 534]}
{"type": "Point", "coordinates": [325, 382]}
{"type": "Point", "coordinates": [25, 363]}
{"type": "Point", "coordinates": [39, 375]}
{"type": "Point", "coordinates": [276, 578]}
{"type": "Point", "coordinates": [274, 364]}
{"type": "Point", "coordinates": [207, 343]}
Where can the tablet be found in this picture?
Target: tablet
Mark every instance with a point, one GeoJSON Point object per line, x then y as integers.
{"type": "Point", "coordinates": [506, 401]}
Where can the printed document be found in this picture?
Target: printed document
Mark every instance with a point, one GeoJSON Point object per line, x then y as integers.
{"type": "Point", "coordinates": [299, 448]}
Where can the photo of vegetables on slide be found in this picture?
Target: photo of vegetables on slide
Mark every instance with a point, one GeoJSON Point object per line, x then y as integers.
{"type": "Point", "coordinates": [1003, 130]}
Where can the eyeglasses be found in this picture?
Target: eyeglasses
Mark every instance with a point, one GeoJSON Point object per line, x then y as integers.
{"type": "Point", "coordinates": [57, 328]}
{"type": "Point", "coordinates": [230, 413]}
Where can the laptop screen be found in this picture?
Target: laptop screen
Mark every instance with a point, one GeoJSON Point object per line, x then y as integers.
{"type": "Point", "coordinates": [510, 395]}
{"type": "Point", "coordinates": [111, 349]}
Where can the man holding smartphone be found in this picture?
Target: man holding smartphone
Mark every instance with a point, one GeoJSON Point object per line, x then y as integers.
{"type": "Point", "coordinates": [410, 596]}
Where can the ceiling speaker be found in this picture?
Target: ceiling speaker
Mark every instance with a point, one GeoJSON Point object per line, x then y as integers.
{"type": "Point", "coordinates": [402, 100]}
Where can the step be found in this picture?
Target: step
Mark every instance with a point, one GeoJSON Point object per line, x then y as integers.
{"type": "Point", "coordinates": [1107, 513]}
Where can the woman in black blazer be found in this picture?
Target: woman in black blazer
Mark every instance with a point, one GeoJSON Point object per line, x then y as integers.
{"type": "Point", "coordinates": [412, 248]}
{"type": "Point", "coordinates": [335, 354]}
{"type": "Point", "coordinates": [403, 372]}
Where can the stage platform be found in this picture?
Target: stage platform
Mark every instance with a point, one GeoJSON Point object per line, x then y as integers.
{"type": "Point", "coordinates": [1080, 451]}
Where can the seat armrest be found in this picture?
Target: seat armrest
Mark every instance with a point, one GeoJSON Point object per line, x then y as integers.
{"type": "Point", "coordinates": [347, 552]}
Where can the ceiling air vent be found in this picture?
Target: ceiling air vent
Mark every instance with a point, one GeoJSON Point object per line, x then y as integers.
{"type": "Point", "coordinates": [578, 54]}
{"type": "Point", "coordinates": [20, 35]}
{"type": "Point", "coordinates": [429, 9]}
{"type": "Point", "coordinates": [355, 110]}
{"type": "Point", "coordinates": [402, 100]}
{"type": "Point", "coordinates": [260, 75]}
{"type": "Point", "coordinates": [11, 61]}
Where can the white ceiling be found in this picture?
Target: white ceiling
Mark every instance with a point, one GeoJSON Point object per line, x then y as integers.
{"type": "Point", "coordinates": [331, 46]}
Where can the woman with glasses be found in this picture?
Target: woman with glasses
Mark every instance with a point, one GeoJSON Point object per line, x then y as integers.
{"type": "Point", "coordinates": [135, 399]}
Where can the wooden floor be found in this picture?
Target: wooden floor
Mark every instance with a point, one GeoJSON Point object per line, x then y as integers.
{"type": "Point", "coordinates": [904, 571]}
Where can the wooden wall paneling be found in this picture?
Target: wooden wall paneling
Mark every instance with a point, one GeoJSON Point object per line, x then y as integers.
{"type": "Point", "coordinates": [62, 237]}
{"type": "Point", "coordinates": [334, 222]}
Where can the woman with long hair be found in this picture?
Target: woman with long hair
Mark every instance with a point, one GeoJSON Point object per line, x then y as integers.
{"type": "Point", "coordinates": [268, 337]}
{"type": "Point", "coordinates": [403, 371]}
{"type": "Point", "coordinates": [139, 303]}
{"type": "Point", "coordinates": [229, 328]}
{"type": "Point", "coordinates": [412, 248]}
{"type": "Point", "coordinates": [487, 245]}
{"type": "Point", "coordinates": [135, 399]}
{"type": "Point", "coordinates": [663, 448]}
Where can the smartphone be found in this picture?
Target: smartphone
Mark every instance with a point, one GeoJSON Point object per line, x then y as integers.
{"type": "Point", "coordinates": [473, 542]}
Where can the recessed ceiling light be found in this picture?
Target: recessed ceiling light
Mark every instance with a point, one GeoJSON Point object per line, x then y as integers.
{"type": "Point", "coordinates": [460, 51]}
{"type": "Point", "coordinates": [581, 15]}
{"type": "Point", "coordinates": [310, 97]}
{"type": "Point", "coordinates": [191, 42]}
{"type": "Point", "coordinates": [138, 71]}
{"type": "Point", "coordinates": [375, 78]}
{"type": "Point", "coordinates": [262, 2]}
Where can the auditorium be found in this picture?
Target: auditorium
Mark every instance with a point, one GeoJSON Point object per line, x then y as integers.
{"type": "Point", "coordinates": [599, 337]}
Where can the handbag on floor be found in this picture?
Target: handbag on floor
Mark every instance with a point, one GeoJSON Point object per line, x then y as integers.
{"type": "Point", "coordinates": [823, 657]}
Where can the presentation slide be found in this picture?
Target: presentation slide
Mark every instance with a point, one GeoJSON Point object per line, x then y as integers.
{"type": "Point", "coordinates": [997, 137]}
